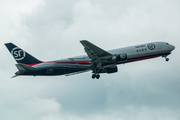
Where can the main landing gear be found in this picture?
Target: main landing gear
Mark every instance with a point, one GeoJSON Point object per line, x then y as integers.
{"type": "Point", "coordinates": [97, 76]}
{"type": "Point", "coordinates": [167, 59]}
{"type": "Point", "coordinates": [165, 56]}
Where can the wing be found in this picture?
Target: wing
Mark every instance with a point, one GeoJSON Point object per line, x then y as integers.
{"type": "Point", "coordinates": [92, 49]}
{"type": "Point", "coordinates": [98, 56]}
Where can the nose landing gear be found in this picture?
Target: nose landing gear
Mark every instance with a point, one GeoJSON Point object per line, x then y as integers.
{"type": "Point", "coordinates": [97, 76]}
{"type": "Point", "coordinates": [165, 56]}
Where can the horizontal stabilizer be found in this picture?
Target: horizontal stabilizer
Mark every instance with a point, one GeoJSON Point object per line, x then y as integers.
{"type": "Point", "coordinates": [22, 67]}
{"type": "Point", "coordinates": [14, 76]}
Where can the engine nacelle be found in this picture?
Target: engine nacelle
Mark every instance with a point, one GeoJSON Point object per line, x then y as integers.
{"type": "Point", "coordinates": [112, 69]}
{"type": "Point", "coordinates": [120, 57]}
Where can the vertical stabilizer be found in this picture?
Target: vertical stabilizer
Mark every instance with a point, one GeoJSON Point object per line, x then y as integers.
{"type": "Point", "coordinates": [20, 55]}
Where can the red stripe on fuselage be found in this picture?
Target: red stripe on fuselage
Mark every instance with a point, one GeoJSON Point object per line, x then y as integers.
{"type": "Point", "coordinates": [143, 58]}
{"type": "Point", "coordinates": [57, 62]}
{"type": "Point", "coordinates": [130, 60]}
{"type": "Point", "coordinates": [30, 64]}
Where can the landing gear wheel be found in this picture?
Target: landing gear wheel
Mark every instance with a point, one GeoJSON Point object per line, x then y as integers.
{"type": "Point", "coordinates": [97, 76]}
{"type": "Point", "coordinates": [167, 59]}
{"type": "Point", "coordinates": [93, 76]}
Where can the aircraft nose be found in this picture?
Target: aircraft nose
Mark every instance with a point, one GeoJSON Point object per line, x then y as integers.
{"type": "Point", "coordinates": [172, 47]}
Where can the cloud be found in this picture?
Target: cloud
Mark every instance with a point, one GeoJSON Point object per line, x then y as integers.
{"type": "Point", "coordinates": [45, 106]}
{"type": "Point", "coordinates": [129, 113]}
{"type": "Point", "coordinates": [51, 29]}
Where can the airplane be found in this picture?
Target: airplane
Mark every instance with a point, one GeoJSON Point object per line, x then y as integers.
{"type": "Point", "coordinates": [97, 60]}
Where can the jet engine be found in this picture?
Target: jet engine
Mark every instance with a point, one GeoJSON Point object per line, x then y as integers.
{"type": "Point", "coordinates": [120, 57]}
{"type": "Point", "coordinates": [111, 69]}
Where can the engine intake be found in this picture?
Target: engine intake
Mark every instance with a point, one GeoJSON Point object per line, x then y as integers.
{"type": "Point", "coordinates": [120, 57]}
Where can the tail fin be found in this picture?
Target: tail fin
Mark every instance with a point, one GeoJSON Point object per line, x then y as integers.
{"type": "Point", "coordinates": [20, 55]}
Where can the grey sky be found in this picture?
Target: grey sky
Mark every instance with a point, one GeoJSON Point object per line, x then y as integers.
{"type": "Point", "coordinates": [51, 29]}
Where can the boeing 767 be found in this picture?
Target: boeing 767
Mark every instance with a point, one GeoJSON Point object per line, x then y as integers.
{"type": "Point", "coordinates": [97, 60]}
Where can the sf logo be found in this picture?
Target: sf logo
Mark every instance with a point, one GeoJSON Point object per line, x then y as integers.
{"type": "Point", "coordinates": [18, 53]}
{"type": "Point", "coordinates": [151, 46]}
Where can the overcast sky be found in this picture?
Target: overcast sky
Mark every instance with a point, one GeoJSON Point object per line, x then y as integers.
{"type": "Point", "coordinates": [52, 29]}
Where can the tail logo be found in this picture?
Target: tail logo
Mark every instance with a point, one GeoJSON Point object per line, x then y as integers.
{"type": "Point", "coordinates": [18, 53]}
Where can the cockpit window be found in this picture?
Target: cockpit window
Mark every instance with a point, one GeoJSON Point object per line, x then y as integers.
{"type": "Point", "coordinates": [167, 43]}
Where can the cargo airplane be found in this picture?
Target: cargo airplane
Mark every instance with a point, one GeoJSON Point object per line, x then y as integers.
{"type": "Point", "coordinates": [97, 60]}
